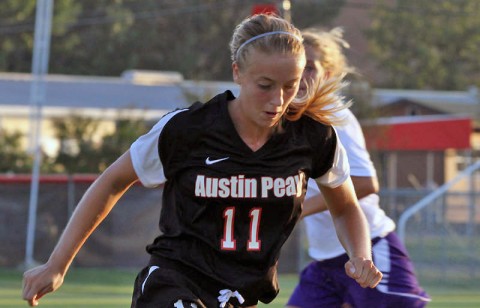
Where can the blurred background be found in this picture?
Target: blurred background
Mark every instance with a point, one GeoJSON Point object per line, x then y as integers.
{"type": "Point", "coordinates": [81, 80]}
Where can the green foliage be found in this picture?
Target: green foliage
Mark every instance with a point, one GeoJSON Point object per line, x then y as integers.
{"type": "Point", "coordinates": [359, 91]}
{"type": "Point", "coordinates": [105, 38]}
{"type": "Point", "coordinates": [85, 149]}
{"type": "Point", "coordinates": [314, 13]}
{"type": "Point", "coordinates": [427, 44]}
{"type": "Point", "coordinates": [17, 30]}
{"type": "Point", "coordinates": [115, 144]}
{"type": "Point", "coordinates": [16, 39]}
{"type": "Point", "coordinates": [77, 148]}
{"type": "Point", "coordinates": [12, 157]}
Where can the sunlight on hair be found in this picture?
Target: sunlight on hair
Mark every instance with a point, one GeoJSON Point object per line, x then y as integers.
{"type": "Point", "coordinates": [321, 102]}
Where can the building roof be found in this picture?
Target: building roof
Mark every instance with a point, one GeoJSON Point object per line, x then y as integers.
{"type": "Point", "coordinates": [451, 102]}
{"type": "Point", "coordinates": [156, 93]}
{"type": "Point", "coordinates": [90, 93]}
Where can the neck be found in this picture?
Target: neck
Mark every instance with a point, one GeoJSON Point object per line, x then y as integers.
{"type": "Point", "coordinates": [253, 135]}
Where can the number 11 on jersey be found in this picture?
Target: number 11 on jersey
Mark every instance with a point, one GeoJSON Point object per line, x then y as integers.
{"type": "Point", "coordinates": [228, 242]}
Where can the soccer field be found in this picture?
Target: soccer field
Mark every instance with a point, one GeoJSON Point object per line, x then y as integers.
{"type": "Point", "coordinates": [109, 288]}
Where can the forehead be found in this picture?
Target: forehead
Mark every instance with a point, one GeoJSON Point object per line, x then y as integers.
{"type": "Point", "coordinates": [275, 65]}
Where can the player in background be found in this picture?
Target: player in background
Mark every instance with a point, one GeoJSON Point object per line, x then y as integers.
{"type": "Point", "coordinates": [323, 283]}
{"type": "Point", "coordinates": [235, 171]}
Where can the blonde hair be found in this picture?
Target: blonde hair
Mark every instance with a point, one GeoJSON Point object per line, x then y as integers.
{"type": "Point", "coordinates": [324, 100]}
{"type": "Point", "coordinates": [316, 102]}
{"type": "Point", "coordinates": [287, 42]}
{"type": "Point", "coordinates": [330, 45]}
{"type": "Point", "coordinates": [321, 103]}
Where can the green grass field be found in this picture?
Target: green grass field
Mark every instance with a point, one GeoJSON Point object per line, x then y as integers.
{"type": "Point", "coordinates": [105, 288]}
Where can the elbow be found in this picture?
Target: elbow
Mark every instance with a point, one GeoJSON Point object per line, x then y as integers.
{"type": "Point", "coordinates": [375, 186]}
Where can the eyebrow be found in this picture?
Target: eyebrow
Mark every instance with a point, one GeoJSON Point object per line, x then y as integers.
{"type": "Point", "coordinates": [271, 80]}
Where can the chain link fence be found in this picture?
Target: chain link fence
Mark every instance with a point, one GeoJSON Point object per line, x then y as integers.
{"type": "Point", "coordinates": [442, 238]}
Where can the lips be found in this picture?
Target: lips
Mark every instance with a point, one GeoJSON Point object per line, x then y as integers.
{"type": "Point", "coordinates": [271, 114]}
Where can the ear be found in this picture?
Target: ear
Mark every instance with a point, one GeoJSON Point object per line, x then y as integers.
{"type": "Point", "coordinates": [236, 73]}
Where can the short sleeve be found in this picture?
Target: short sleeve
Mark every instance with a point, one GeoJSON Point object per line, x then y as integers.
{"type": "Point", "coordinates": [340, 170]}
{"type": "Point", "coordinates": [145, 155]}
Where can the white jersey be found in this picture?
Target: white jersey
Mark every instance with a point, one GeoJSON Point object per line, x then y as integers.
{"type": "Point", "coordinates": [322, 238]}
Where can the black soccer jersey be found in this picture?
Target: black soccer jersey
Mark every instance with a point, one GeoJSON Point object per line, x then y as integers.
{"type": "Point", "coordinates": [227, 210]}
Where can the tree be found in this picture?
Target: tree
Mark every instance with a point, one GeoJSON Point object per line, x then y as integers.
{"type": "Point", "coordinates": [427, 44]}
{"type": "Point", "coordinates": [84, 148]}
{"type": "Point", "coordinates": [12, 157]}
{"type": "Point", "coordinates": [105, 38]}
{"type": "Point", "coordinates": [115, 144]}
{"type": "Point", "coordinates": [78, 151]}
{"type": "Point", "coordinates": [17, 20]}
{"type": "Point", "coordinates": [315, 13]}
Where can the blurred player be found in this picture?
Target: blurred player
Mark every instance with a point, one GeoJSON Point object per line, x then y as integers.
{"type": "Point", "coordinates": [323, 283]}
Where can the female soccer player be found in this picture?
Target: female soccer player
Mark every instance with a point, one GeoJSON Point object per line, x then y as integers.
{"type": "Point", "coordinates": [235, 171]}
{"type": "Point", "coordinates": [323, 283]}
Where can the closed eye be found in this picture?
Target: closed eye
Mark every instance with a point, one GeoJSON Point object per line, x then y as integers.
{"type": "Point", "coordinates": [264, 86]}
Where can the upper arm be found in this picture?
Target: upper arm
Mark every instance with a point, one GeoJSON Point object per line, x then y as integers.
{"type": "Point", "coordinates": [121, 174]}
{"type": "Point", "coordinates": [339, 198]}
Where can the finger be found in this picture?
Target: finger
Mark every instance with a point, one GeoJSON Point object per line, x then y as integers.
{"type": "Point", "coordinates": [32, 296]}
{"type": "Point", "coordinates": [370, 278]}
{"type": "Point", "coordinates": [366, 274]}
{"type": "Point", "coordinates": [42, 292]}
{"type": "Point", "coordinates": [350, 270]}
{"type": "Point", "coordinates": [26, 292]}
{"type": "Point", "coordinates": [375, 280]}
{"type": "Point", "coordinates": [27, 287]}
{"type": "Point", "coordinates": [372, 275]}
{"type": "Point", "coordinates": [33, 302]}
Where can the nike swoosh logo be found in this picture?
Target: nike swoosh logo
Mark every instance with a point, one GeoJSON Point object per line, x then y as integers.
{"type": "Point", "coordinates": [209, 161]}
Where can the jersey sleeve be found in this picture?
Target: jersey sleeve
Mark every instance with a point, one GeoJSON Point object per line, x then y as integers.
{"type": "Point", "coordinates": [330, 163]}
{"type": "Point", "coordinates": [145, 155]}
{"type": "Point", "coordinates": [340, 170]}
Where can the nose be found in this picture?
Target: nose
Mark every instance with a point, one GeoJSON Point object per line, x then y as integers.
{"type": "Point", "coordinates": [277, 98]}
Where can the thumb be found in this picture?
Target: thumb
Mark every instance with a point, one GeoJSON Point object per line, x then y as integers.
{"type": "Point", "coordinates": [350, 269]}
{"type": "Point", "coordinates": [33, 302]}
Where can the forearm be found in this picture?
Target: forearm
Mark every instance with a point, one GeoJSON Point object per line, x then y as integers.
{"type": "Point", "coordinates": [350, 222]}
{"type": "Point", "coordinates": [92, 209]}
{"type": "Point", "coordinates": [89, 213]}
{"type": "Point", "coordinates": [353, 232]}
{"type": "Point", "coordinates": [95, 205]}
